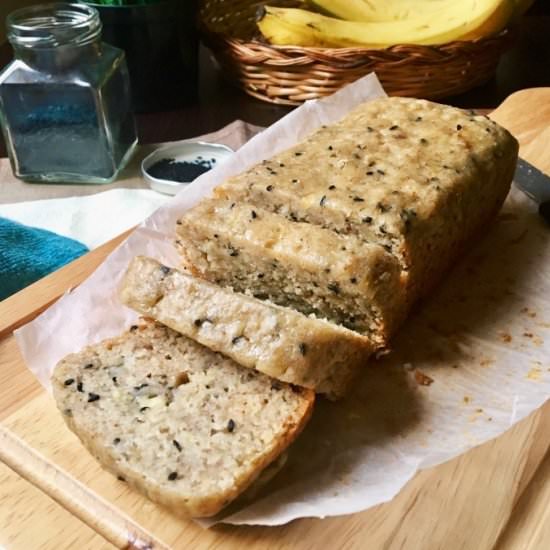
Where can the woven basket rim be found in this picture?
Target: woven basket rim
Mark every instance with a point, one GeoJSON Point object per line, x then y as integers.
{"type": "Point", "coordinates": [351, 49]}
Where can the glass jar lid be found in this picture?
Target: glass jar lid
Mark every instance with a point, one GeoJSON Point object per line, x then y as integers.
{"type": "Point", "coordinates": [53, 25]}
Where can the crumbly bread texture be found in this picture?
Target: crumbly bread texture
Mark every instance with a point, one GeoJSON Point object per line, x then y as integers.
{"type": "Point", "coordinates": [275, 340]}
{"type": "Point", "coordinates": [180, 423]}
{"type": "Point", "coordinates": [299, 265]}
{"type": "Point", "coordinates": [419, 178]}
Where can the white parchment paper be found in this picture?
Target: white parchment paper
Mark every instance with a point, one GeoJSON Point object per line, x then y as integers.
{"type": "Point", "coordinates": [471, 362]}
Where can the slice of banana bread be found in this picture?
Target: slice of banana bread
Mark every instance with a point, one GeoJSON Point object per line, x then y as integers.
{"type": "Point", "coordinates": [299, 265]}
{"type": "Point", "coordinates": [277, 341]}
{"type": "Point", "coordinates": [180, 423]}
{"type": "Point", "coordinates": [419, 178]}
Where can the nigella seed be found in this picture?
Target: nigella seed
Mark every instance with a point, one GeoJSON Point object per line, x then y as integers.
{"type": "Point", "coordinates": [418, 118]}
{"type": "Point", "coordinates": [459, 127]}
{"type": "Point", "coordinates": [372, 163]}
{"type": "Point", "coordinates": [80, 387]}
{"type": "Point", "coordinates": [172, 476]}
{"type": "Point", "coordinates": [275, 385]}
{"type": "Point", "coordinates": [68, 382]}
{"type": "Point", "coordinates": [133, 328]}
{"type": "Point", "coordinates": [144, 385]}
{"type": "Point", "coordinates": [370, 173]}
{"type": "Point", "coordinates": [233, 252]}
{"type": "Point", "coordinates": [298, 153]}
{"type": "Point", "coordinates": [381, 172]}
{"type": "Point", "coordinates": [394, 127]}
{"type": "Point", "coordinates": [177, 445]}
{"type": "Point", "coordinates": [116, 440]}
{"type": "Point", "coordinates": [143, 409]}
{"type": "Point", "coordinates": [253, 214]}
{"type": "Point", "coordinates": [281, 165]}
{"type": "Point", "coordinates": [260, 275]}
{"type": "Point", "coordinates": [269, 188]}
{"type": "Point", "coordinates": [331, 187]}
{"type": "Point", "coordinates": [120, 478]}
{"type": "Point", "coordinates": [303, 348]}
{"type": "Point", "coordinates": [89, 366]}
{"type": "Point", "coordinates": [230, 425]}
{"type": "Point", "coordinates": [148, 375]}
{"type": "Point", "coordinates": [334, 287]}
{"type": "Point", "coordinates": [353, 280]}
{"type": "Point", "coordinates": [358, 199]}
{"type": "Point", "coordinates": [424, 141]}
{"type": "Point", "coordinates": [115, 380]}
{"type": "Point", "coordinates": [165, 269]}
{"type": "Point", "coordinates": [323, 200]}
{"type": "Point", "coordinates": [93, 397]}
{"type": "Point", "coordinates": [369, 129]}
{"type": "Point", "coordinates": [367, 219]}
{"type": "Point", "coordinates": [330, 147]}
{"type": "Point", "coordinates": [294, 181]}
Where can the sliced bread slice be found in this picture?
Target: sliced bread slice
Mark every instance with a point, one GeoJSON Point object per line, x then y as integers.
{"type": "Point", "coordinates": [183, 425]}
{"type": "Point", "coordinates": [299, 265]}
{"type": "Point", "coordinates": [277, 341]}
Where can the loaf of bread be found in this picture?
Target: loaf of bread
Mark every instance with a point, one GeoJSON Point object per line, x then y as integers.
{"type": "Point", "coordinates": [277, 341]}
{"type": "Point", "coordinates": [299, 265]}
{"type": "Point", "coordinates": [185, 426]}
{"type": "Point", "coordinates": [418, 178]}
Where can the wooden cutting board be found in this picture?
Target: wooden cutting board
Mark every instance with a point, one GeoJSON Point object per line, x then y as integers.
{"type": "Point", "coordinates": [53, 495]}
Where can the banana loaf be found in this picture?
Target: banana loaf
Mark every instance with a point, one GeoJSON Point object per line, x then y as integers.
{"type": "Point", "coordinates": [183, 425]}
{"type": "Point", "coordinates": [415, 177]}
{"type": "Point", "coordinates": [275, 340]}
{"type": "Point", "coordinates": [299, 265]}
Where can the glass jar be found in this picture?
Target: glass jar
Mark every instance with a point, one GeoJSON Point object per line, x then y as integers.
{"type": "Point", "coordinates": [65, 102]}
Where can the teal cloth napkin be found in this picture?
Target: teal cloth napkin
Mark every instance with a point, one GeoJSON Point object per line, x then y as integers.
{"type": "Point", "coordinates": [28, 254]}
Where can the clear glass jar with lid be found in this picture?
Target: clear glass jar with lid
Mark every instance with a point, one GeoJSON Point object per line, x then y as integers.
{"type": "Point", "coordinates": [65, 101]}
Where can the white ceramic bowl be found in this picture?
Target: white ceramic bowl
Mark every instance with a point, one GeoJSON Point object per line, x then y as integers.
{"type": "Point", "coordinates": [188, 152]}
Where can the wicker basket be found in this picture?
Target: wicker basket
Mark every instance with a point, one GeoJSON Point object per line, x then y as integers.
{"type": "Point", "coordinates": [290, 75]}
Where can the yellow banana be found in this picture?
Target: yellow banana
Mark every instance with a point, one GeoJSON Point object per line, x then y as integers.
{"type": "Point", "coordinates": [277, 31]}
{"type": "Point", "coordinates": [381, 10]}
{"type": "Point", "coordinates": [463, 20]}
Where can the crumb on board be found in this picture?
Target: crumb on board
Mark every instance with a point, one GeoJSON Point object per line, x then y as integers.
{"type": "Point", "coordinates": [422, 379]}
{"type": "Point", "coordinates": [486, 362]}
{"type": "Point", "coordinates": [505, 337]}
{"type": "Point", "coordinates": [534, 373]}
{"type": "Point", "coordinates": [466, 399]}
{"type": "Point", "coordinates": [529, 312]}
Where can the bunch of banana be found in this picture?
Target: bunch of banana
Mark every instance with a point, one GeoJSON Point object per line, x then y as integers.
{"type": "Point", "coordinates": [383, 23]}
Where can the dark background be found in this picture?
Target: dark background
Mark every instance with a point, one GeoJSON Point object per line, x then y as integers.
{"type": "Point", "coordinates": [526, 65]}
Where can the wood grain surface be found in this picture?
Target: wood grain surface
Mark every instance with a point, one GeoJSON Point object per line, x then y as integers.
{"type": "Point", "coordinates": [496, 496]}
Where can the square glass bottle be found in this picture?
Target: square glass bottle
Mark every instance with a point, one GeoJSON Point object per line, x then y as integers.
{"type": "Point", "coordinates": [65, 102]}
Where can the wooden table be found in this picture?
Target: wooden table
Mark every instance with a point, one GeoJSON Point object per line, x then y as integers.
{"type": "Point", "coordinates": [54, 496]}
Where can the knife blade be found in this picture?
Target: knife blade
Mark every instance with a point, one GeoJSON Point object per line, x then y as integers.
{"type": "Point", "coordinates": [535, 184]}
